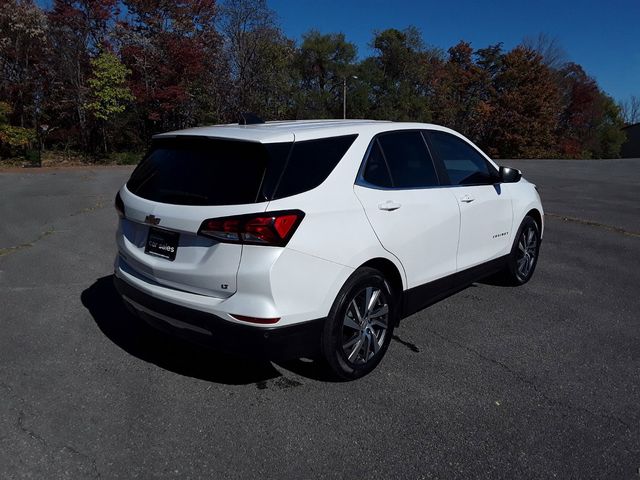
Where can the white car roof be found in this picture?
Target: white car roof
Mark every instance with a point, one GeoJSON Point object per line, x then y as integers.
{"type": "Point", "coordinates": [287, 131]}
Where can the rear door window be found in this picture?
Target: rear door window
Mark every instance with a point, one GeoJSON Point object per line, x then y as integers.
{"type": "Point", "coordinates": [376, 171]}
{"type": "Point", "coordinates": [408, 160]}
{"type": "Point", "coordinates": [463, 163]}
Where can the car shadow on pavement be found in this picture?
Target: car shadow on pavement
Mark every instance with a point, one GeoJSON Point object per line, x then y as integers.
{"type": "Point", "coordinates": [496, 280]}
{"type": "Point", "coordinates": [141, 340]}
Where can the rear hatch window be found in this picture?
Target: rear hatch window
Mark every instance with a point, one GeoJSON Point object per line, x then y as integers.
{"type": "Point", "coordinates": [203, 171]}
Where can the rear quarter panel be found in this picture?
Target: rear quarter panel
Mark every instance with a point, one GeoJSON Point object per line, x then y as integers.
{"type": "Point", "coordinates": [335, 227]}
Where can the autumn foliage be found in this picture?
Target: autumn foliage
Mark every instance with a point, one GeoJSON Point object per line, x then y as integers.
{"type": "Point", "coordinates": [102, 76]}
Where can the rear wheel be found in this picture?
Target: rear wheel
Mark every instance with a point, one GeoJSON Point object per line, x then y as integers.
{"type": "Point", "coordinates": [524, 253]}
{"type": "Point", "coordinates": [360, 325]}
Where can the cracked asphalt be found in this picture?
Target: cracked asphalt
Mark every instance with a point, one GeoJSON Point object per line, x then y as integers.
{"type": "Point", "coordinates": [541, 381]}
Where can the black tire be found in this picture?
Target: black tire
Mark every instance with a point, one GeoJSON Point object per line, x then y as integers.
{"type": "Point", "coordinates": [524, 254]}
{"type": "Point", "coordinates": [355, 338]}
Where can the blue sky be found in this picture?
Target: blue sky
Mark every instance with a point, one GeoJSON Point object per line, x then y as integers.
{"type": "Point", "coordinates": [602, 36]}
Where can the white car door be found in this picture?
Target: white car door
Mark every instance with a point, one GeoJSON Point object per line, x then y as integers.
{"type": "Point", "coordinates": [414, 219]}
{"type": "Point", "coordinates": [485, 207]}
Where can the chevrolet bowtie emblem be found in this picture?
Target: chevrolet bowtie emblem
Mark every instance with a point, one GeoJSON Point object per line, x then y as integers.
{"type": "Point", "coordinates": [151, 220]}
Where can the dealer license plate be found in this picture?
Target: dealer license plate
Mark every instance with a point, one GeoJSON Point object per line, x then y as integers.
{"type": "Point", "coordinates": [162, 243]}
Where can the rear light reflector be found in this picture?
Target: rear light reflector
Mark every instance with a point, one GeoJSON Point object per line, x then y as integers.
{"type": "Point", "coordinates": [255, 319]}
{"type": "Point", "coordinates": [271, 228]}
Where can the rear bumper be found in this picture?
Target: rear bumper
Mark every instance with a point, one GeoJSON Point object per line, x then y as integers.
{"type": "Point", "coordinates": [286, 342]}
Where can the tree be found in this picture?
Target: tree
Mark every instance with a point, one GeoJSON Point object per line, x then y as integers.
{"type": "Point", "coordinates": [23, 46]}
{"type": "Point", "coordinates": [549, 48]}
{"type": "Point", "coordinates": [108, 86]}
{"type": "Point", "coordinates": [525, 107]}
{"type": "Point", "coordinates": [259, 57]}
{"type": "Point", "coordinates": [577, 123]}
{"type": "Point", "coordinates": [609, 134]}
{"type": "Point", "coordinates": [590, 122]}
{"type": "Point", "coordinates": [630, 110]}
{"type": "Point", "coordinates": [78, 29]}
{"type": "Point", "coordinates": [108, 89]}
{"type": "Point", "coordinates": [398, 75]}
{"type": "Point", "coordinates": [13, 138]}
{"type": "Point", "coordinates": [461, 100]}
{"type": "Point", "coordinates": [323, 61]}
{"type": "Point", "coordinates": [174, 53]}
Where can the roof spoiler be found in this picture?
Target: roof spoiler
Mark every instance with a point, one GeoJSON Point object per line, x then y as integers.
{"type": "Point", "coordinates": [247, 118]}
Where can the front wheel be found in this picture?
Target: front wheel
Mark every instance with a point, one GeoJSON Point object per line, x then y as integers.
{"type": "Point", "coordinates": [360, 325]}
{"type": "Point", "coordinates": [523, 258]}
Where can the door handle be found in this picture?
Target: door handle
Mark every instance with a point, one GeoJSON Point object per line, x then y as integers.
{"type": "Point", "coordinates": [389, 206]}
{"type": "Point", "coordinates": [467, 199]}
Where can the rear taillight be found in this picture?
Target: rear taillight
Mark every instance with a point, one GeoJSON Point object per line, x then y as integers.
{"type": "Point", "coordinates": [119, 205]}
{"type": "Point", "coordinates": [273, 228]}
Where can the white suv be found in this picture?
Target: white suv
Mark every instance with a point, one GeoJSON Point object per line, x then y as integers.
{"type": "Point", "coordinates": [293, 238]}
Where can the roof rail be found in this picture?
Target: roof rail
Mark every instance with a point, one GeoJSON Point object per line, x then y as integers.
{"type": "Point", "coordinates": [248, 118]}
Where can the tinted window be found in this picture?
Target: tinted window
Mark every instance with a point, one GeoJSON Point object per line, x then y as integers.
{"type": "Point", "coordinates": [310, 163]}
{"type": "Point", "coordinates": [464, 164]}
{"type": "Point", "coordinates": [278, 155]}
{"type": "Point", "coordinates": [408, 160]}
{"type": "Point", "coordinates": [200, 171]}
{"type": "Point", "coordinates": [376, 171]}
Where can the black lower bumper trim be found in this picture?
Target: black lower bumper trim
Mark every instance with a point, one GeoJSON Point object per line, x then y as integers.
{"type": "Point", "coordinates": [287, 342]}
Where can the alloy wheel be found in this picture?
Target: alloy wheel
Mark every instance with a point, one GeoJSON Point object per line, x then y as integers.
{"type": "Point", "coordinates": [365, 325]}
{"type": "Point", "coordinates": [527, 251]}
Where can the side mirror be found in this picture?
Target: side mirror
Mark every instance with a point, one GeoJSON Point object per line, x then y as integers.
{"type": "Point", "coordinates": [510, 175]}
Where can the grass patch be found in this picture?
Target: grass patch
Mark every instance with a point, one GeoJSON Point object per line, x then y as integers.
{"type": "Point", "coordinates": [124, 158]}
{"type": "Point", "coordinates": [69, 158]}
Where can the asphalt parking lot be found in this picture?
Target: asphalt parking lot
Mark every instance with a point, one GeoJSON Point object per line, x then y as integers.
{"type": "Point", "coordinates": [541, 381]}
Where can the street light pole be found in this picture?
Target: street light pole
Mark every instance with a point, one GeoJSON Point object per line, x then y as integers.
{"type": "Point", "coordinates": [344, 96]}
